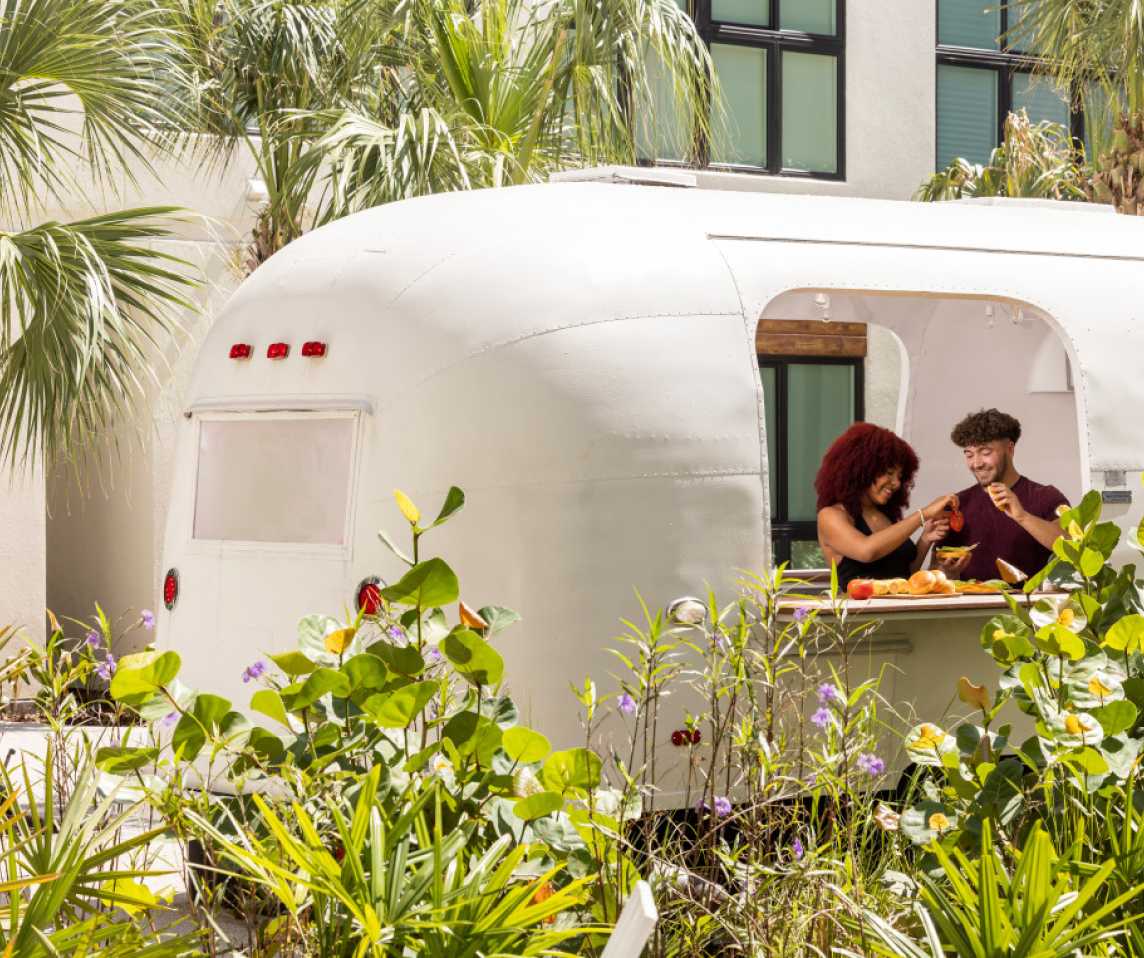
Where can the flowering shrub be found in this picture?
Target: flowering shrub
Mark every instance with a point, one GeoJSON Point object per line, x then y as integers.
{"type": "Point", "coordinates": [1072, 662]}
{"type": "Point", "coordinates": [392, 801]}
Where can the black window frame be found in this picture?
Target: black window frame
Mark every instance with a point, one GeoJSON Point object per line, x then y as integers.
{"type": "Point", "coordinates": [776, 41]}
{"type": "Point", "coordinates": [1006, 62]}
{"type": "Point", "coordinates": [785, 531]}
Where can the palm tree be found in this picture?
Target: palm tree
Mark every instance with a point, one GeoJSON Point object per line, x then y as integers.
{"type": "Point", "coordinates": [345, 104]}
{"type": "Point", "coordinates": [83, 302]}
{"type": "Point", "coordinates": [1034, 160]}
{"type": "Point", "coordinates": [1096, 48]}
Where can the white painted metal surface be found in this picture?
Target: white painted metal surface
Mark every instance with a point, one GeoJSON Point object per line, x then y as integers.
{"type": "Point", "coordinates": [579, 357]}
{"type": "Point", "coordinates": [635, 925]}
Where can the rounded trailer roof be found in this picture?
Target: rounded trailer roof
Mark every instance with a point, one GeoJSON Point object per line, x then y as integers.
{"type": "Point", "coordinates": [422, 285]}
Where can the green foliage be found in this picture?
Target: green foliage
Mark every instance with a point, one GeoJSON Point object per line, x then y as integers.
{"type": "Point", "coordinates": [1033, 160]}
{"type": "Point", "coordinates": [392, 804]}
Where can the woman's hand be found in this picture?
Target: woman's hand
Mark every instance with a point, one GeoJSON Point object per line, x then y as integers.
{"type": "Point", "coordinates": [939, 505]}
{"type": "Point", "coordinates": [934, 531]}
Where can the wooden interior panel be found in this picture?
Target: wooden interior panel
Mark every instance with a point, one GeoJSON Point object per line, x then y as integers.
{"type": "Point", "coordinates": [796, 337]}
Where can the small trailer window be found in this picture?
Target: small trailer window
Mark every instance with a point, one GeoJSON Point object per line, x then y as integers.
{"type": "Point", "coordinates": [274, 478]}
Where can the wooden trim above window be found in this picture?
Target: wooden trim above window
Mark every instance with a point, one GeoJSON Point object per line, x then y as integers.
{"type": "Point", "coordinates": [795, 337]}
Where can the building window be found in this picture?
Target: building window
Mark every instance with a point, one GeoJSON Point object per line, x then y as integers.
{"type": "Point", "coordinates": [780, 64]}
{"type": "Point", "coordinates": [813, 390]}
{"type": "Point", "coordinates": [981, 79]}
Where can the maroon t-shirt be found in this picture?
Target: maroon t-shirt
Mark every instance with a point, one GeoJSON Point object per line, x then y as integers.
{"type": "Point", "coordinates": [998, 536]}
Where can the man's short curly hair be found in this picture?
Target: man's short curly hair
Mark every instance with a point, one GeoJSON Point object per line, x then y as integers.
{"type": "Point", "coordinates": [978, 428]}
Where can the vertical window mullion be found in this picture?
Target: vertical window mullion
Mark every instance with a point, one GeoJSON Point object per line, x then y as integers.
{"type": "Point", "coordinates": [1004, 99]}
{"type": "Point", "coordinates": [774, 107]}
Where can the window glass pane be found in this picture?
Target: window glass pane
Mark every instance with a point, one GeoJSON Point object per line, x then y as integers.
{"type": "Point", "coordinates": [810, 112]}
{"type": "Point", "coordinates": [274, 480]}
{"type": "Point", "coordinates": [810, 16]}
{"type": "Point", "coordinates": [966, 114]}
{"type": "Point", "coordinates": [1040, 99]}
{"type": "Point", "coordinates": [965, 23]}
{"type": "Point", "coordinates": [755, 12]}
{"type": "Point", "coordinates": [742, 136]}
{"type": "Point", "coordinates": [805, 554]}
{"type": "Point", "coordinates": [662, 135]}
{"type": "Point", "coordinates": [820, 405]}
{"type": "Point", "coordinates": [769, 411]}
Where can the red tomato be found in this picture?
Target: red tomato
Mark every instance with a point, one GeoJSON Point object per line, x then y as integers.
{"type": "Point", "coordinates": [860, 589]}
{"type": "Point", "coordinates": [956, 521]}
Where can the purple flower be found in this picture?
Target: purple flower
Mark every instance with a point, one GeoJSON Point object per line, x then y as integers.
{"type": "Point", "coordinates": [169, 719]}
{"type": "Point", "coordinates": [626, 704]}
{"type": "Point", "coordinates": [433, 654]}
{"type": "Point", "coordinates": [396, 632]}
{"type": "Point", "coordinates": [94, 639]}
{"type": "Point", "coordinates": [147, 617]}
{"type": "Point", "coordinates": [799, 851]}
{"type": "Point", "coordinates": [821, 718]}
{"type": "Point", "coordinates": [722, 806]}
{"type": "Point", "coordinates": [253, 670]}
{"type": "Point", "coordinates": [801, 614]}
{"type": "Point", "coordinates": [106, 669]}
{"type": "Point", "coordinates": [827, 693]}
{"type": "Point", "coordinates": [871, 764]}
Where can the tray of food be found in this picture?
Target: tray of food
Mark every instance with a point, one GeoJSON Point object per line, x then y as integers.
{"type": "Point", "coordinates": [923, 584]}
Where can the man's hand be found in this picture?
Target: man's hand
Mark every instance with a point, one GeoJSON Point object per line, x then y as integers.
{"type": "Point", "coordinates": [1006, 500]}
{"type": "Point", "coordinates": [952, 567]}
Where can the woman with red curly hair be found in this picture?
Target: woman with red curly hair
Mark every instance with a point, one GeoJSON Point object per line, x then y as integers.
{"type": "Point", "coordinates": [863, 488]}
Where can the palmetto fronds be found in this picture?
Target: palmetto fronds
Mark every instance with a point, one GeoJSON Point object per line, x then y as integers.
{"type": "Point", "coordinates": [81, 99]}
{"type": "Point", "coordinates": [1034, 160]}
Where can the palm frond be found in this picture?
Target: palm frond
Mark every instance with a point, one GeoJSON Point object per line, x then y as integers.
{"type": "Point", "coordinates": [80, 82]}
{"type": "Point", "coordinates": [82, 307]}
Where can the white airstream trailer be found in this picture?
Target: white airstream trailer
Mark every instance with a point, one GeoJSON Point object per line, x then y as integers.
{"type": "Point", "coordinates": [581, 359]}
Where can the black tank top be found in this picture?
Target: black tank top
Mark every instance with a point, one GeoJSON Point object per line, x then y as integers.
{"type": "Point", "coordinates": [893, 565]}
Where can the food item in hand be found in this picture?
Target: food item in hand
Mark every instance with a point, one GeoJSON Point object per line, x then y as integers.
{"type": "Point", "coordinates": [956, 521]}
{"type": "Point", "coordinates": [1010, 573]}
{"type": "Point", "coordinates": [860, 589]}
{"type": "Point", "coordinates": [995, 489]}
{"type": "Point", "coordinates": [953, 553]}
{"type": "Point", "coordinates": [922, 582]}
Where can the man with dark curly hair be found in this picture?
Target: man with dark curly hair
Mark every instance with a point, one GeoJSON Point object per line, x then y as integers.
{"type": "Point", "coordinates": [1008, 515]}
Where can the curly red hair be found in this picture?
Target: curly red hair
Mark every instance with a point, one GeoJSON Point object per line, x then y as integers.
{"type": "Point", "coordinates": [858, 457]}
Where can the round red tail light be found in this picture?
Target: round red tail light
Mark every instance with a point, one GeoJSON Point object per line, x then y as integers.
{"type": "Point", "coordinates": [369, 595]}
{"type": "Point", "coordinates": [171, 588]}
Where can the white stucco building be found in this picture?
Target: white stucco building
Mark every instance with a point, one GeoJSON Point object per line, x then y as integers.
{"type": "Point", "coordinates": [835, 97]}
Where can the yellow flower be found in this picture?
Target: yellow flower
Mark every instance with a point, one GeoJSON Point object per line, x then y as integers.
{"type": "Point", "coordinates": [408, 509]}
{"type": "Point", "coordinates": [1075, 531]}
{"type": "Point", "coordinates": [999, 635]}
{"type": "Point", "coordinates": [938, 822]}
{"type": "Point", "coordinates": [929, 736]}
{"type": "Point", "coordinates": [1073, 725]}
{"type": "Point", "coordinates": [1098, 688]}
{"type": "Point", "coordinates": [1066, 618]}
{"type": "Point", "coordinates": [337, 642]}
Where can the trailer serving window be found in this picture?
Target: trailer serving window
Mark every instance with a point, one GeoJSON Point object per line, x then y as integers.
{"type": "Point", "coordinates": [275, 478]}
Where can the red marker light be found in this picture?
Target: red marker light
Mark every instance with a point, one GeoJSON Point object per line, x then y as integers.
{"type": "Point", "coordinates": [314, 348]}
{"type": "Point", "coordinates": [369, 595]}
{"type": "Point", "coordinates": [277, 350]}
{"type": "Point", "coordinates": [171, 588]}
{"type": "Point", "coordinates": [240, 351]}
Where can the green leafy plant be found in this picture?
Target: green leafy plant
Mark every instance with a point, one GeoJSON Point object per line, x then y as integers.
{"type": "Point", "coordinates": [1033, 160]}
{"type": "Point", "coordinates": [980, 908]}
{"type": "Point", "coordinates": [392, 800]}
